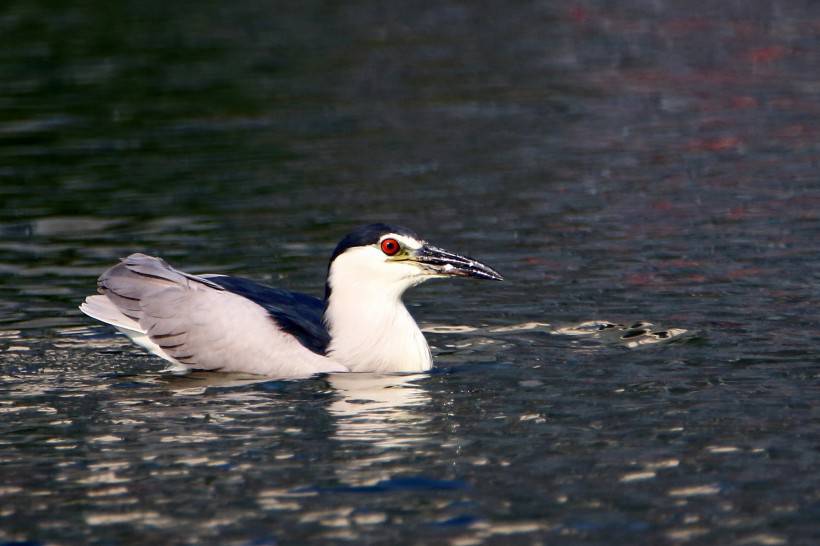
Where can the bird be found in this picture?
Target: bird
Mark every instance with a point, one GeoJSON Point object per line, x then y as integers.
{"type": "Point", "coordinates": [233, 324]}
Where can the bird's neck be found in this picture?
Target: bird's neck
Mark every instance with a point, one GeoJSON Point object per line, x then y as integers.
{"type": "Point", "coordinates": [372, 331]}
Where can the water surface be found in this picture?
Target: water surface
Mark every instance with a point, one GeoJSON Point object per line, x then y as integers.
{"type": "Point", "coordinates": [637, 162]}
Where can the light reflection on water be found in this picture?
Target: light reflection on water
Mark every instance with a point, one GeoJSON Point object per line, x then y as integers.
{"type": "Point", "coordinates": [378, 409]}
{"type": "Point", "coordinates": [621, 163]}
{"type": "Point", "coordinates": [388, 413]}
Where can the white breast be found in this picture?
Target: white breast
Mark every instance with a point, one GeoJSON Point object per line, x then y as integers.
{"type": "Point", "coordinates": [370, 329]}
{"type": "Point", "coordinates": [377, 338]}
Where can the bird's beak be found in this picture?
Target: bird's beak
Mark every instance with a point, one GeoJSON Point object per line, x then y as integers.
{"type": "Point", "coordinates": [442, 263]}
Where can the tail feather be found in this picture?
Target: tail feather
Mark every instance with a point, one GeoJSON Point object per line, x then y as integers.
{"type": "Point", "coordinates": [104, 310]}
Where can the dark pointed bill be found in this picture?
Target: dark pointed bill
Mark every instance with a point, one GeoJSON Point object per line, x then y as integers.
{"type": "Point", "coordinates": [441, 262]}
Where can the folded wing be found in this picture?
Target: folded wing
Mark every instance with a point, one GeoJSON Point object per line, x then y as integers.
{"type": "Point", "coordinates": [193, 321]}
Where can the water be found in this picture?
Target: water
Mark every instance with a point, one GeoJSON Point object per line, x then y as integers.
{"type": "Point", "coordinates": [637, 161]}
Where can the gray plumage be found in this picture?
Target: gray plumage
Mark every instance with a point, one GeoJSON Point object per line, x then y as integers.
{"type": "Point", "coordinates": [194, 322]}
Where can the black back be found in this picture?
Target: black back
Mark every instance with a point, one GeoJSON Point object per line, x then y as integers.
{"type": "Point", "coordinates": [297, 314]}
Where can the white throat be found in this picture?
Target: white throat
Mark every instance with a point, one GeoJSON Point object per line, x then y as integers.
{"type": "Point", "coordinates": [370, 328]}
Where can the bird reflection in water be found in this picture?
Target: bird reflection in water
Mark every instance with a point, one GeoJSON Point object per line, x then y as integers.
{"type": "Point", "coordinates": [377, 417]}
{"type": "Point", "coordinates": [380, 409]}
{"type": "Point", "coordinates": [197, 382]}
{"type": "Point", "coordinates": [384, 414]}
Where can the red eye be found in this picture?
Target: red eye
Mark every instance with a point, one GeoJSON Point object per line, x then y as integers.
{"type": "Point", "coordinates": [390, 247]}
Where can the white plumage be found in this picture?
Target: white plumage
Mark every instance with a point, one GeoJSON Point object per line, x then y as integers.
{"type": "Point", "coordinates": [370, 328]}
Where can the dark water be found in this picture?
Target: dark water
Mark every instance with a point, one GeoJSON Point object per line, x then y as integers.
{"type": "Point", "coordinates": [632, 161]}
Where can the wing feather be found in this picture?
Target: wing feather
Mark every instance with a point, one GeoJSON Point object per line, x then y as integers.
{"type": "Point", "coordinates": [200, 323]}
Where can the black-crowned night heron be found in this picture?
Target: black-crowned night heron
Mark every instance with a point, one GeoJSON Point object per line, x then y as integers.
{"type": "Point", "coordinates": [231, 324]}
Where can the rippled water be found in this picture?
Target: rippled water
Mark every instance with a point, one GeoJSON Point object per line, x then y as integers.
{"type": "Point", "coordinates": [637, 162]}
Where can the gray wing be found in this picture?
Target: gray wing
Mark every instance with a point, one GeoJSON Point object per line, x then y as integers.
{"type": "Point", "coordinates": [201, 325]}
{"type": "Point", "coordinates": [300, 315]}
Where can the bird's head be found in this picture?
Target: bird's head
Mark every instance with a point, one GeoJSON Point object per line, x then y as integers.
{"type": "Point", "coordinates": [393, 258]}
